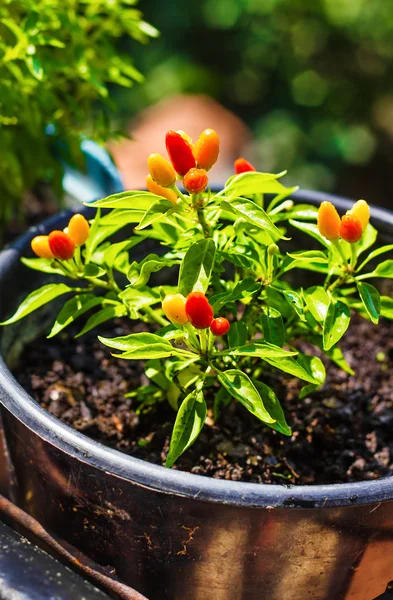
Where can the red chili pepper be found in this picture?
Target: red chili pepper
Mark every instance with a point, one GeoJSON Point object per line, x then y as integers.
{"type": "Point", "coordinates": [243, 166]}
{"type": "Point", "coordinates": [351, 229]}
{"type": "Point", "coordinates": [199, 311]}
{"type": "Point", "coordinates": [180, 152]}
{"type": "Point", "coordinates": [220, 326]}
{"type": "Point", "coordinates": [61, 245]}
{"type": "Point", "coordinates": [195, 181]}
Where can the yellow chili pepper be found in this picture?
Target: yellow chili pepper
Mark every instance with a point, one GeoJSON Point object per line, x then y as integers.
{"type": "Point", "coordinates": [161, 170]}
{"type": "Point", "coordinates": [40, 246]}
{"type": "Point", "coordinates": [174, 307]}
{"type": "Point", "coordinates": [154, 188]}
{"type": "Point", "coordinates": [78, 230]}
{"type": "Point", "coordinates": [361, 210]}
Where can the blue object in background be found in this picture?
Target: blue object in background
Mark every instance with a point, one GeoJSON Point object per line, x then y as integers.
{"type": "Point", "coordinates": [101, 179]}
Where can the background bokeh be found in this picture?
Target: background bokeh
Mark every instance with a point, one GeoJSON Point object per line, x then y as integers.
{"type": "Point", "coordinates": [313, 80]}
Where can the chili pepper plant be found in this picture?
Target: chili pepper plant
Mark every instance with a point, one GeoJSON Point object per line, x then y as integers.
{"type": "Point", "coordinates": [233, 309]}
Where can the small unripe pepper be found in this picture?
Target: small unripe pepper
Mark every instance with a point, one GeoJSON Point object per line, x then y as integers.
{"type": "Point", "coordinates": [329, 221]}
{"type": "Point", "coordinates": [61, 245]}
{"type": "Point", "coordinates": [180, 153]}
{"type": "Point", "coordinates": [174, 307]}
{"type": "Point", "coordinates": [361, 210]}
{"type": "Point", "coordinates": [199, 311]}
{"type": "Point", "coordinates": [40, 246]}
{"type": "Point", "coordinates": [195, 181]}
{"type": "Point", "coordinates": [220, 326]}
{"type": "Point", "coordinates": [161, 170]}
{"type": "Point", "coordinates": [243, 166]}
{"type": "Point", "coordinates": [78, 230]}
{"type": "Point", "coordinates": [206, 149]}
{"type": "Point", "coordinates": [154, 188]}
{"type": "Point", "coordinates": [351, 229]}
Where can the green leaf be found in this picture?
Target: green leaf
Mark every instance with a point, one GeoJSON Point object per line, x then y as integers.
{"type": "Point", "coordinates": [73, 309]}
{"type": "Point", "coordinates": [38, 298]}
{"type": "Point", "coordinates": [159, 210]}
{"type": "Point", "coordinates": [336, 355]}
{"type": "Point", "coordinates": [94, 238]}
{"type": "Point", "coordinates": [312, 230]}
{"type": "Point", "coordinates": [317, 302]}
{"type": "Point", "coordinates": [253, 182]}
{"type": "Point", "coordinates": [295, 301]}
{"type": "Point", "coordinates": [368, 238]}
{"type": "Point", "coordinates": [138, 200]}
{"type": "Point", "coordinates": [106, 314]}
{"type": "Point", "coordinates": [196, 267]}
{"type": "Point", "coordinates": [309, 255]}
{"type": "Point", "coordinates": [387, 307]}
{"type": "Point", "coordinates": [140, 346]}
{"type": "Point", "coordinates": [336, 323]}
{"type": "Point", "coordinates": [374, 254]}
{"type": "Point", "coordinates": [314, 366]}
{"type": "Point", "coordinates": [45, 265]}
{"type": "Point", "coordinates": [238, 334]}
{"type": "Point", "coordinates": [189, 422]}
{"type": "Point", "coordinates": [92, 270]}
{"type": "Point", "coordinates": [371, 300]}
{"type": "Point", "coordinates": [257, 349]}
{"type": "Point", "coordinates": [273, 326]}
{"type": "Point", "coordinates": [273, 407]}
{"type": "Point", "coordinates": [240, 386]}
{"type": "Point", "coordinates": [242, 290]}
{"type": "Point", "coordinates": [139, 274]}
{"type": "Point", "coordinates": [291, 366]}
{"type": "Point", "coordinates": [384, 269]}
{"type": "Point", "coordinates": [114, 250]}
{"type": "Point", "coordinates": [251, 212]}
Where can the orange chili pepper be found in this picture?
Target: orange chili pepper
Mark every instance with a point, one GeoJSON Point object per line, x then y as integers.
{"type": "Point", "coordinates": [206, 149]}
{"type": "Point", "coordinates": [195, 181]}
{"type": "Point", "coordinates": [329, 221]}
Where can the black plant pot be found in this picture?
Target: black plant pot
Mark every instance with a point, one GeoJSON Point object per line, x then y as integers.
{"type": "Point", "coordinates": [178, 536]}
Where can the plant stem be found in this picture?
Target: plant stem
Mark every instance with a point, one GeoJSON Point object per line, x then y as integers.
{"type": "Point", "coordinates": [154, 316]}
{"type": "Point", "coordinates": [180, 195]}
{"type": "Point", "coordinates": [337, 245]}
{"type": "Point", "coordinates": [78, 259]}
{"type": "Point", "coordinates": [354, 258]}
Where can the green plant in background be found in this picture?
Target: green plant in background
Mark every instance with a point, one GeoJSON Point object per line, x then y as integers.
{"type": "Point", "coordinates": [312, 78]}
{"type": "Point", "coordinates": [57, 61]}
{"type": "Point", "coordinates": [236, 310]}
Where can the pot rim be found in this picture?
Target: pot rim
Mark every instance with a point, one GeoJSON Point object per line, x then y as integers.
{"type": "Point", "coordinates": [169, 481]}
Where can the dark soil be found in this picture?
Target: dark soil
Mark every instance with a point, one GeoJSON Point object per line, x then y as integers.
{"type": "Point", "coordinates": [341, 433]}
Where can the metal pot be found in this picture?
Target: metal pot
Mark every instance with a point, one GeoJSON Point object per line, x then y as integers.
{"type": "Point", "coordinates": [178, 536]}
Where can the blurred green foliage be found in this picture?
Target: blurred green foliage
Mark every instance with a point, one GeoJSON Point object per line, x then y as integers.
{"type": "Point", "coordinates": [57, 58]}
{"type": "Point", "coordinates": [313, 78]}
